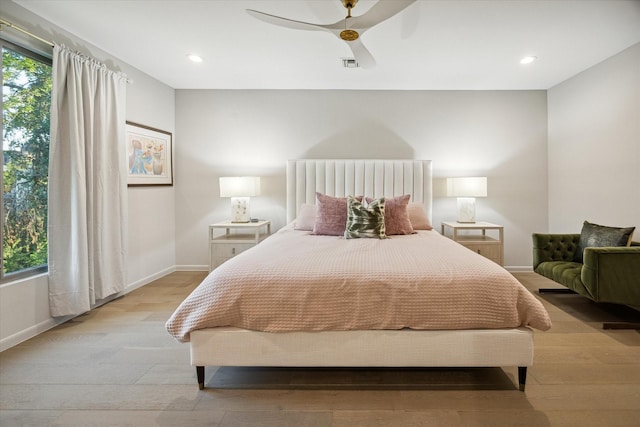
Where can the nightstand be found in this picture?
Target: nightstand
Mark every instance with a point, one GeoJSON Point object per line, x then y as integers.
{"type": "Point", "coordinates": [486, 239]}
{"type": "Point", "coordinates": [237, 237]}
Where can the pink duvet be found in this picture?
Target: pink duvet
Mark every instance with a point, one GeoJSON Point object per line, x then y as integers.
{"type": "Point", "coordinates": [295, 281]}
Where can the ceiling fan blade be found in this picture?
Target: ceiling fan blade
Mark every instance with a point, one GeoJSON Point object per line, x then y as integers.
{"type": "Point", "coordinates": [361, 54]}
{"type": "Point", "coordinates": [379, 12]}
{"type": "Point", "coordinates": [288, 23]}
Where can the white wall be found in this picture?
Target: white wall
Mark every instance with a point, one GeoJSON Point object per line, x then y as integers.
{"type": "Point", "coordinates": [24, 309]}
{"type": "Point", "coordinates": [594, 146]}
{"type": "Point", "coordinates": [151, 225]}
{"type": "Point", "coordinates": [498, 134]}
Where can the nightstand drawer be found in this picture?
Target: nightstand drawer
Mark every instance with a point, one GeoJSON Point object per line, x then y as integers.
{"type": "Point", "coordinates": [483, 238]}
{"type": "Point", "coordinates": [228, 250]}
{"type": "Point", "coordinates": [493, 252]}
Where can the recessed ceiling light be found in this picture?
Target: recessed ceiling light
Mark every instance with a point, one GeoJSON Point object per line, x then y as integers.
{"type": "Point", "coordinates": [194, 57]}
{"type": "Point", "coordinates": [528, 59]}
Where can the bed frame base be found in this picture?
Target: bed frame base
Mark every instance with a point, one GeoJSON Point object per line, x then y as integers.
{"type": "Point", "coordinates": [522, 377]}
{"type": "Point", "coordinates": [404, 348]}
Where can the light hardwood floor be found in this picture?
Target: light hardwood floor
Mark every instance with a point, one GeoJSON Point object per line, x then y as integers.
{"type": "Point", "coordinates": [118, 366]}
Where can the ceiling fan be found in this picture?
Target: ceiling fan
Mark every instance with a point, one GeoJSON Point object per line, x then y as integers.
{"type": "Point", "coordinates": [348, 29]}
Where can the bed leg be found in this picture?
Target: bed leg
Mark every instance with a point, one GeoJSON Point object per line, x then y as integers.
{"type": "Point", "coordinates": [522, 377]}
{"type": "Point", "coordinates": [200, 375]}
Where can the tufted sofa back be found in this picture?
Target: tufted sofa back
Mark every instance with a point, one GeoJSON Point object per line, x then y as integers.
{"type": "Point", "coordinates": [554, 247]}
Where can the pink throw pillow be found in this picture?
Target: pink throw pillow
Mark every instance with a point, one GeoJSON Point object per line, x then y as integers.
{"type": "Point", "coordinates": [418, 217]}
{"type": "Point", "coordinates": [331, 215]}
{"type": "Point", "coordinates": [396, 215]}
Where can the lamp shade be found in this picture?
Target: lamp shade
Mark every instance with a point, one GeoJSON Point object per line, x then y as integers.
{"type": "Point", "coordinates": [239, 186]}
{"type": "Point", "coordinates": [467, 187]}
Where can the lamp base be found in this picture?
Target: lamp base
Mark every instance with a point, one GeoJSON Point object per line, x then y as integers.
{"type": "Point", "coordinates": [240, 209]}
{"type": "Point", "coordinates": [467, 210]}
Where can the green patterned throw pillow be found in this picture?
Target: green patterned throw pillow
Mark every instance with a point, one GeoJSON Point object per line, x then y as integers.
{"type": "Point", "coordinates": [365, 220]}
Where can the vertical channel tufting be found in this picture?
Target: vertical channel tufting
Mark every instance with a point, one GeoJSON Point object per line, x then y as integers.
{"type": "Point", "coordinates": [321, 179]}
{"type": "Point", "coordinates": [300, 188]}
{"type": "Point", "coordinates": [370, 178]}
{"type": "Point", "coordinates": [386, 184]}
{"type": "Point", "coordinates": [377, 170]}
{"type": "Point", "coordinates": [330, 177]}
{"type": "Point", "coordinates": [310, 183]}
{"type": "Point", "coordinates": [341, 172]}
{"type": "Point", "coordinates": [417, 179]}
{"type": "Point", "coordinates": [349, 178]}
{"type": "Point", "coordinates": [359, 184]}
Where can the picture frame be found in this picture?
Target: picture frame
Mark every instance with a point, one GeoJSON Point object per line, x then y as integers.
{"type": "Point", "coordinates": [149, 156]}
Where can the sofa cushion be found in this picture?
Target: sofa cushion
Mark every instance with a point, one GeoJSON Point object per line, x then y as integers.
{"type": "Point", "coordinates": [566, 273]}
{"type": "Point", "coordinates": [595, 235]}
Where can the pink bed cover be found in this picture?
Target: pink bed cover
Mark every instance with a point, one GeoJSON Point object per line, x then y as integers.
{"type": "Point", "coordinates": [295, 281]}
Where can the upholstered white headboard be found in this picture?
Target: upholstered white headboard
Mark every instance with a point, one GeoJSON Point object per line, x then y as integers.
{"type": "Point", "coordinates": [371, 178]}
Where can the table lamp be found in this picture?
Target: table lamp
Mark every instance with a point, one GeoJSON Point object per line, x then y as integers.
{"type": "Point", "coordinates": [466, 190]}
{"type": "Point", "coordinates": [240, 189]}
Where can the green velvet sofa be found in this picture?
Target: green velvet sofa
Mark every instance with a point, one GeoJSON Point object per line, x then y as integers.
{"type": "Point", "coordinates": [607, 274]}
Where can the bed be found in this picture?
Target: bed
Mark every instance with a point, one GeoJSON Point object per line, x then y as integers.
{"type": "Point", "coordinates": [413, 300]}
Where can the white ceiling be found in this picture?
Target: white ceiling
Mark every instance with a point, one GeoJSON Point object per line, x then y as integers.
{"type": "Point", "coordinates": [433, 44]}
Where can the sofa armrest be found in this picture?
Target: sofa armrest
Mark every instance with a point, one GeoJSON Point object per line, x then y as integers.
{"type": "Point", "coordinates": [554, 247]}
{"type": "Point", "coordinates": [613, 273]}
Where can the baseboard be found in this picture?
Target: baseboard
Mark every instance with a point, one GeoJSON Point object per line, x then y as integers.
{"type": "Point", "coordinates": [26, 334]}
{"type": "Point", "coordinates": [32, 331]}
{"type": "Point", "coordinates": [146, 280]}
{"type": "Point", "coordinates": [519, 268]}
{"type": "Point", "coordinates": [192, 268]}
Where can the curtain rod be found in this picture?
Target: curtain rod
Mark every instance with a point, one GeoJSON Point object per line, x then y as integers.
{"type": "Point", "coordinates": [22, 30]}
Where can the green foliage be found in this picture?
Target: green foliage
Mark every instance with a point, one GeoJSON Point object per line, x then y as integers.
{"type": "Point", "coordinates": [26, 108]}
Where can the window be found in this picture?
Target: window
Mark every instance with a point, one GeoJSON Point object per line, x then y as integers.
{"type": "Point", "coordinates": [26, 101]}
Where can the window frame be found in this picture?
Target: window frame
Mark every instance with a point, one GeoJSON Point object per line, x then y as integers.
{"type": "Point", "coordinates": [32, 271]}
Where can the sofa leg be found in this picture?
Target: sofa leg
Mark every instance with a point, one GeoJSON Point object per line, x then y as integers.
{"type": "Point", "coordinates": [555, 291]}
{"type": "Point", "coordinates": [620, 325]}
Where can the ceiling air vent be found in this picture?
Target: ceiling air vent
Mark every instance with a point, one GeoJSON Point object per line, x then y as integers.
{"type": "Point", "coordinates": [350, 63]}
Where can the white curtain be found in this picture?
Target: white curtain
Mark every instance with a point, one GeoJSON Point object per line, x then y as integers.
{"type": "Point", "coordinates": [87, 183]}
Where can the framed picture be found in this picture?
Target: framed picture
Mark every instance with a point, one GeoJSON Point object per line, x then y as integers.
{"type": "Point", "coordinates": [149, 156]}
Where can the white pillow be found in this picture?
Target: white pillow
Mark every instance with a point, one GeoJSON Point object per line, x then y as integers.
{"type": "Point", "coordinates": [418, 217]}
{"type": "Point", "coordinates": [306, 218]}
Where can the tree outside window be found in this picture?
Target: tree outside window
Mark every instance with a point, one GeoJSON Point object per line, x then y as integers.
{"type": "Point", "coordinates": [26, 102]}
